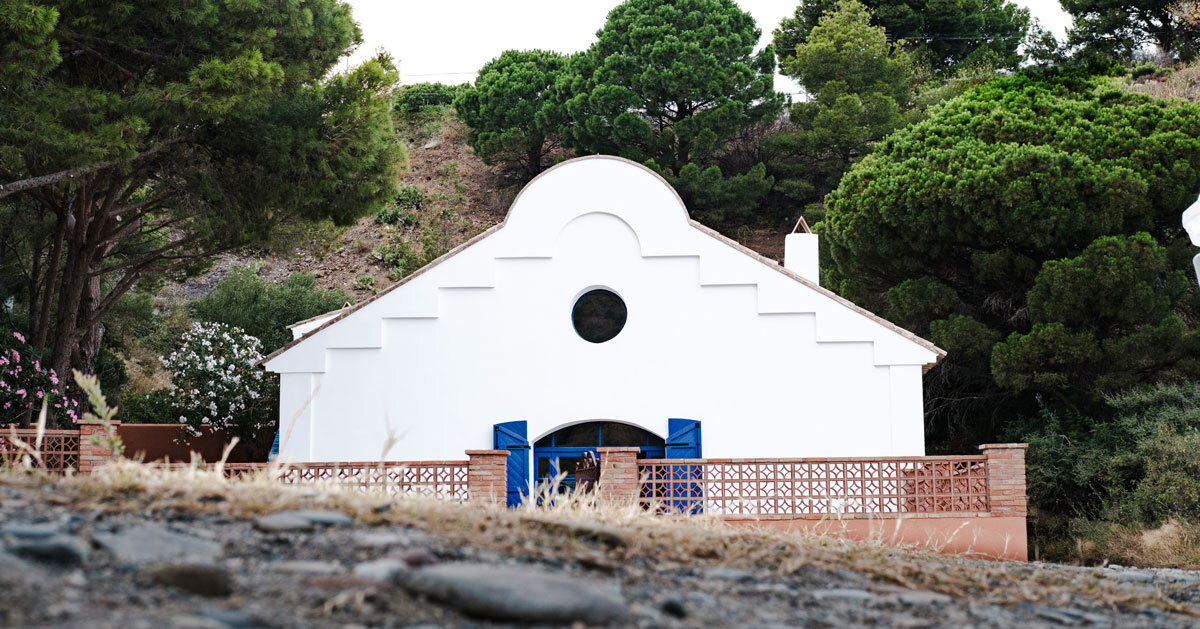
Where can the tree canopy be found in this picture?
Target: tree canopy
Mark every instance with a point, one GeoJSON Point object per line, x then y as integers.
{"type": "Point", "coordinates": [142, 137]}
{"type": "Point", "coordinates": [1031, 228]}
{"type": "Point", "coordinates": [513, 111]}
{"type": "Point", "coordinates": [859, 86]}
{"type": "Point", "coordinates": [1120, 27]}
{"type": "Point", "coordinates": [942, 35]}
{"type": "Point", "coordinates": [669, 84]}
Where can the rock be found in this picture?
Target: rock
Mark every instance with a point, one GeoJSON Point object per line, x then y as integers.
{"type": "Point", "coordinates": [295, 521]}
{"type": "Point", "coordinates": [418, 558]}
{"type": "Point", "coordinates": [282, 523]}
{"type": "Point", "coordinates": [921, 597]}
{"type": "Point", "coordinates": [15, 572]}
{"type": "Point", "coordinates": [521, 594]}
{"type": "Point", "coordinates": [150, 543]}
{"type": "Point", "coordinates": [60, 550]}
{"type": "Point", "coordinates": [842, 594]}
{"type": "Point", "coordinates": [673, 606]}
{"type": "Point", "coordinates": [308, 567]}
{"type": "Point", "coordinates": [1129, 576]}
{"type": "Point", "coordinates": [28, 531]}
{"type": "Point", "coordinates": [727, 574]}
{"type": "Point", "coordinates": [432, 144]}
{"type": "Point", "coordinates": [322, 518]}
{"type": "Point", "coordinates": [590, 531]}
{"type": "Point", "coordinates": [386, 569]}
{"type": "Point", "coordinates": [234, 619]}
{"type": "Point", "coordinates": [202, 579]}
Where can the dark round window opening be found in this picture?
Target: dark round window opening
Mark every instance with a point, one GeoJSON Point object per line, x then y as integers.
{"type": "Point", "coordinates": [598, 315]}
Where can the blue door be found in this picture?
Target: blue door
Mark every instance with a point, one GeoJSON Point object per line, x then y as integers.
{"type": "Point", "coordinates": [511, 436]}
{"type": "Point", "coordinates": [683, 493]}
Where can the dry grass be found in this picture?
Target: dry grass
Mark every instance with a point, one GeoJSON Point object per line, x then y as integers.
{"type": "Point", "coordinates": [1173, 544]}
{"type": "Point", "coordinates": [570, 527]}
{"type": "Point", "coordinates": [1183, 82]}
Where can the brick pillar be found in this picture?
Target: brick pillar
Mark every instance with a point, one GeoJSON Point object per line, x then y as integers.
{"type": "Point", "coordinates": [618, 481]}
{"type": "Point", "coordinates": [92, 455]}
{"type": "Point", "coordinates": [1006, 478]}
{"type": "Point", "coordinates": [487, 476]}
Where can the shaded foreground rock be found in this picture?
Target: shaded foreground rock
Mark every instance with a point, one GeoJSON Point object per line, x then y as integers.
{"type": "Point", "coordinates": [519, 594]}
{"type": "Point", "coordinates": [151, 543]}
{"type": "Point", "coordinates": [202, 579]}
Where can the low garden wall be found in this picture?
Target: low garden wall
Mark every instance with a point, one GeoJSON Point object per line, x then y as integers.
{"type": "Point", "coordinates": [963, 504]}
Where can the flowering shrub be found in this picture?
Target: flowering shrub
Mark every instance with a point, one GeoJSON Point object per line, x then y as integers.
{"type": "Point", "coordinates": [216, 383]}
{"type": "Point", "coordinates": [24, 383]}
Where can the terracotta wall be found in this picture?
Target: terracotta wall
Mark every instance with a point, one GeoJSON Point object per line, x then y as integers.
{"type": "Point", "coordinates": [157, 442]}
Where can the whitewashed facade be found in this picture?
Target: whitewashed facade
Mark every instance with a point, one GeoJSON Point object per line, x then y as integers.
{"type": "Point", "coordinates": [771, 364]}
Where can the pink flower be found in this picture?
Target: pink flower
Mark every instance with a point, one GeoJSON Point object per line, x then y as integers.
{"type": "Point", "coordinates": [53, 378]}
{"type": "Point", "coordinates": [17, 335]}
{"type": "Point", "coordinates": [16, 355]}
{"type": "Point", "coordinates": [20, 392]}
{"type": "Point", "coordinates": [40, 395]}
{"type": "Point", "coordinates": [7, 404]}
{"type": "Point", "coordinates": [37, 364]}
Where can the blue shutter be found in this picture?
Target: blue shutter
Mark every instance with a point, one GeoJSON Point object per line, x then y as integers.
{"type": "Point", "coordinates": [682, 493]}
{"type": "Point", "coordinates": [683, 439]}
{"type": "Point", "coordinates": [511, 436]}
{"type": "Point", "coordinates": [274, 448]}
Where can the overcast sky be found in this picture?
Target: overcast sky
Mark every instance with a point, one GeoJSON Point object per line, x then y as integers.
{"type": "Point", "coordinates": [449, 40]}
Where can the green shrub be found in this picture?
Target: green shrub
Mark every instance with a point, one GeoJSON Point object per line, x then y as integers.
{"type": "Point", "coordinates": [365, 283]}
{"type": "Point", "coordinates": [424, 96]}
{"type": "Point", "coordinates": [264, 309]}
{"type": "Point", "coordinates": [155, 407]}
{"type": "Point", "coordinates": [399, 257]}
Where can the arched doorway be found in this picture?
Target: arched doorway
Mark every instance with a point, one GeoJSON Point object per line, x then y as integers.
{"type": "Point", "coordinates": [560, 451]}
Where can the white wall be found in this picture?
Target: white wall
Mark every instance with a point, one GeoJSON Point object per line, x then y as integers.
{"type": "Point", "coordinates": [772, 367]}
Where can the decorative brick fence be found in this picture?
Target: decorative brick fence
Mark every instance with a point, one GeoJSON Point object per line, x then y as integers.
{"type": "Point", "coordinates": [480, 478]}
{"type": "Point", "coordinates": [970, 504]}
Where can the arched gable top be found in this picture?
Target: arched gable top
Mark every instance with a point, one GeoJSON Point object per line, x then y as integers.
{"type": "Point", "coordinates": [659, 222]}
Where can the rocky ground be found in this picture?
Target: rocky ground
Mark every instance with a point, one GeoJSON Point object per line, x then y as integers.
{"type": "Point", "coordinates": [131, 551]}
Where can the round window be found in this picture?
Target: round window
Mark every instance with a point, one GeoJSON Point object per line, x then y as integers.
{"type": "Point", "coordinates": [598, 315]}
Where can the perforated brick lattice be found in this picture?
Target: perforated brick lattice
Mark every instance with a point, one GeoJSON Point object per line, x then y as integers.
{"type": "Point", "coordinates": [59, 449]}
{"type": "Point", "coordinates": [444, 480]}
{"type": "Point", "coordinates": [803, 487]}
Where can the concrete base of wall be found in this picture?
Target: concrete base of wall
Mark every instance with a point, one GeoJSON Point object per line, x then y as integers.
{"type": "Point", "coordinates": [989, 537]}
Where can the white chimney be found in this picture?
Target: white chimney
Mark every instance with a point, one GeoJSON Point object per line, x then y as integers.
{"type": "Point", "coordinates": [800, 256]}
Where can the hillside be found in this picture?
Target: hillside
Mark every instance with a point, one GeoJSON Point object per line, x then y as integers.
{"type": "Point", "coordinates": [463, 196]}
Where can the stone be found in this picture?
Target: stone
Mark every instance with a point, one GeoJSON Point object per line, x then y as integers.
{"type": "Point", "coordinates": [59, 550]}
{"type": "Point", "coordinates": [727, 574]}
{"type": "Point", "coordinates": [282, 523]}
{"type": "Point", "coordinates": [150, 543]}
{"type": "Point", "coordinates": [673, 606]}
{"type": "Point", "coordinates": [386, 569]}
{"type": "Point", "coordinates": [922, 597]}
{"type": "Point", "coordinates": [338, 582]}
{"type": "Point", "coordinates": [15, 571]}
{"type": "Point", "coordinates": [234, 619]}
{"type": "Point", "coordinates": [322, 518]}
{"type": "Point", "coordinates": [1130, 576]}
{"type": "Point", "coordinates": [432, 144]}
{"type": "Point", "coordinates": [590, 531]}
{"type": "Point", "coordinates": [521, 594]}
{"type": "Point", "coordinates": [308, 567]}
{"type": "Point", "coordinates": [842, 594]}
{"type": "Point", "coordinates": [202, 579]}
{"type": "Point", "coordinates": [418, 558]}
{"type": "Point", "coordinates": [28, 531]}
{"type": "Point", "coordinates": [296, 521]}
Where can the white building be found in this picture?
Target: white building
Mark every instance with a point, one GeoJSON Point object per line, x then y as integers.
{"type": "Point", "coordinates": [698, 346]}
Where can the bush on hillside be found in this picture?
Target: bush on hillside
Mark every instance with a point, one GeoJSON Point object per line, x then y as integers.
{"type": "Point", "coordinates": [264, 309]}
{"type": "Point", "coordinates": [424, 96]}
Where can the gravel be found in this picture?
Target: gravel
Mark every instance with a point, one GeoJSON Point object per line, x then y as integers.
{"type": "Point", "coordinates": [168, 568]}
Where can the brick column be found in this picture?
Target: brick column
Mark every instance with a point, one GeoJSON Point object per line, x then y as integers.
{"type": "Point", "coordinates": [92, 455]}
{"type": "Point", "coordinates": [618, 481]}
{"type": "Point", "coordinates": [487, 476]}
{"type": "Point", "coordinates": [1006, 478]}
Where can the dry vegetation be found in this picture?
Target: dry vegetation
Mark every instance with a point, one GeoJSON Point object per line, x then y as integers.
{"type": "Point", "coordinates": [559, 532]}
